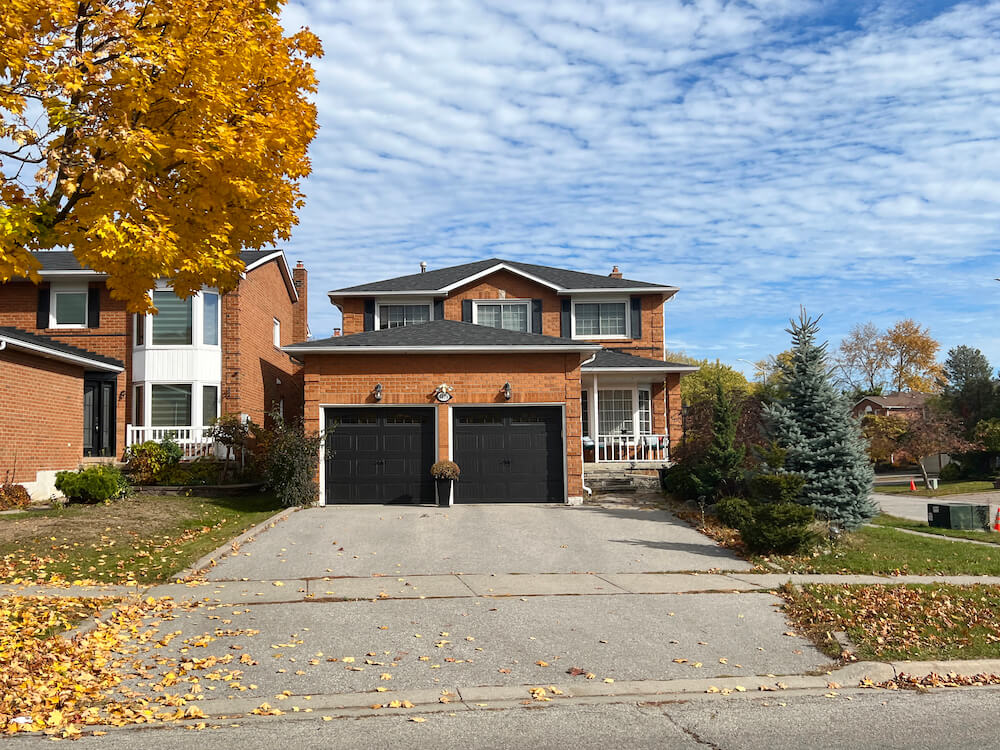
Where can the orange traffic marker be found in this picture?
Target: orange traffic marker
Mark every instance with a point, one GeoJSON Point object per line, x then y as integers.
{"type": "Point", "coordinates": [913, 486]}
{"type": "Point", "coordinates": [996, 521]}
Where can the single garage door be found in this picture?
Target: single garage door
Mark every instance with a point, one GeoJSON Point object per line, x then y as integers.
{"type": "Point", "coordinates": [509, 454]}
{"type": "Point", "coordinates": [379, 455]}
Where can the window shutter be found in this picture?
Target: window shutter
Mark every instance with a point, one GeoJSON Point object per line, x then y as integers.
{"type": "Point", "coordinates": [369, 315]}
{"type": "Point", "coordinates": [466, 310]}
{"type": "Point", "coordinates": [565, 320]}
{"type": "Point", "coordinates": [43, 309]}
{"type": "Point", "coordinates": [536, 316]}
{"type": "Point", "coordinates": [438, 310]}
{"type": "Point", "coordinates": [636, 305]}
{"type": "Point", "coordinates": [94, 307]}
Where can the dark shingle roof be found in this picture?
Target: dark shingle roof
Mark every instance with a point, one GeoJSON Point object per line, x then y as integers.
{"type": "Point", "coordinates": [445, 277]}
{"type": "Point", "coordinates": [440, 334]}
{"type": "Point", "coordinates": [55, 347]}
{"type": "Point", "coordinates": [610, 359]}
{"type": "Point", "coordinates": [899, 400]}
{"type": "Point", "coordinates": [63, 260]}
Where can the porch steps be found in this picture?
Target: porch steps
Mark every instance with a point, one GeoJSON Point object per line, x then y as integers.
{"type": "Point", "coordinates": [620, 480]}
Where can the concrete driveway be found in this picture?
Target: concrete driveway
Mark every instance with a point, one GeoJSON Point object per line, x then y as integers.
{"type": "Point", "coordinates": [484, 539]}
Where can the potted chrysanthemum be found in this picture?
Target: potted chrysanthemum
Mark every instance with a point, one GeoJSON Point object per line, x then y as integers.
{"type": "Point", "coordinates": [445, 473]}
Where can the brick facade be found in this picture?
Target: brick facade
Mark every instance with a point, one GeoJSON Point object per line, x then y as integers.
{"type": "Point", "coordinates": [42, 414]}
{"type": "Point", "coordinates": [476, 378]}
{"type": "Point", "coordinates": [257, 375]}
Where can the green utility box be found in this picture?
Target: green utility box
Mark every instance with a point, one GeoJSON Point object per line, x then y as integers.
{"type": "Point", "coordinates": [972, 517]}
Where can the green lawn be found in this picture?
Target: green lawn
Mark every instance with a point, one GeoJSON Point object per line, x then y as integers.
{"type": "Point", "coordinates": [145, 538]}
{"type": "Point", "coordinates": [900, 622]}
{"type": "Point", "coordinates": [944, 488]}
{"type": "Point", "coordinates": [884, 551]}
{"type": "Point", "coordinates": [905, 523]}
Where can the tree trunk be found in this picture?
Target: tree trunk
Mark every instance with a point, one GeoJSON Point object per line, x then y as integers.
{"type": "Point", "coordinates": [923, 470]}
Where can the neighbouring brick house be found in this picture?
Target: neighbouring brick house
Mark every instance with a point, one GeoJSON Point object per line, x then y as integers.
{"type": "Point", "coordinates": [81, 378]}
{"type": "Point", "coordinates": [901, 404]}
{"type": "Point", "coordinates": [520, 373]}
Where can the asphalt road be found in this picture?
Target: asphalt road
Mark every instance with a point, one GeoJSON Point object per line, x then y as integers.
{"type": "Point", "coordinates": [957, 719]}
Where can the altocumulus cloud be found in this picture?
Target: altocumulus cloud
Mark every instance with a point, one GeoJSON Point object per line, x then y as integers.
{"type": "Point", "coordinates": [759, 156]}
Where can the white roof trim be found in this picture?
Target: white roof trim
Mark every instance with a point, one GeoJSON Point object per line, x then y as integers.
{"type": "Point", "coordinates": [416, 293]}
{"type": "Point", "coordinates": [267, 259]}
{"type": "Point", "coordinates": [650, 368]}
{"type": "Point", "coordinates": [45, 351]}
{"type": "Point", "coordinates": [624, 290]}
{"type": "Point", "coordinates": [80, 273]}
{"type": "Point", "coordinates": [437, 348]}
{"type": "Point", "coordinates": [494, 269]}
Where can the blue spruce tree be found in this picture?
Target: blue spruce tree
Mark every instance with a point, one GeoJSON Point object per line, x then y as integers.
{"type": "Point", "coordinates": [824, 443]}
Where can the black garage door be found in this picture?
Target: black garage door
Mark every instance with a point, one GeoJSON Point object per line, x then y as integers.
{"type": "Point", "coordinates": [509, 454]}
{"type": "Point", "coordinates": [379, 455]}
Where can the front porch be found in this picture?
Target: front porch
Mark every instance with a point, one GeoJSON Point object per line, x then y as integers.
{"type": "Point", "coordinates": [624, 420]}
{"type": "Point", "coordinates": [195, 442]}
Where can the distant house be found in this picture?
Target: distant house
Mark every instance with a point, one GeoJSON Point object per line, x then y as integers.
{"type": "Point", "coordinates": [897, 404]}
{"type": "Point", "coordinates": [81, 379]}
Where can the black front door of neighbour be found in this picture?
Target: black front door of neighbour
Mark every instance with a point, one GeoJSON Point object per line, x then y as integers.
{"type": "Point", "coordinates": [99, 415]}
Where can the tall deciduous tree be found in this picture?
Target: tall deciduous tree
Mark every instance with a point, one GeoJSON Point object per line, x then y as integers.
{"type": "Point", "coordinates": [932, 432]}
{"type": "Point", "coordinates": [911, 356]}
{"type": "Point", "coordinates": [700, 387]}
{"type": "Point", "coordinates": [155, 138]}
{"type": "Point", "coordinates": [862, 360]}
{"type": "Point", "coordinates": [883, 434]}
{"type": "Point", "coordinates": [823, 442]}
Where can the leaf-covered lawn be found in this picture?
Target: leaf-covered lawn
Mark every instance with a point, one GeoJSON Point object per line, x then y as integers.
{"type": "Point", "coordinates": [144, 539]}
{"type": "Point", "coordinates": [885, 551]}
{"type": "Point", "coordinates": [901, 622]}
{"type": "Point", "coordinates": [895, 522]}
{"type": "Point", "coordinates": [944, 488]}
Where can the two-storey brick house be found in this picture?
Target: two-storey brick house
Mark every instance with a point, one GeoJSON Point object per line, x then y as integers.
{"type": "Point", "coordinates": [82, 378]}
{"type": "Point", "coordinates": [519, 373]}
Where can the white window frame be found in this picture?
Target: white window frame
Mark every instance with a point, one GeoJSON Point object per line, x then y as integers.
{"type": "Point", "coordinates": [197, 323]}
{"type": "Point", "coordinates": [605, 301]}
{"type": "Point", "coordinates": [277, 333]}
{"type": "Point", "coordinates": [527, 303]}
{"type": "Point", "coordinates": [197, 400]}
{"type": "Point", "coordinates": [55, 291]}
{"type": "Point", "coordinates": [380, 303]}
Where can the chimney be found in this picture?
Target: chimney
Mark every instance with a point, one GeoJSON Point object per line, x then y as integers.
{"type": "Point", "coordinates": [300, 312]}
{"type": "Point", "coordinates": [423, 266]}
{"type": "Point", "coordinates": [615, 273]}
{"type": "Point", "coordinates": [336, 332]}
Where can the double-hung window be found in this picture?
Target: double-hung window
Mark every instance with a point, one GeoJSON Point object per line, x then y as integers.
{"type": "Point", "coordinates": [394, 316]}
{"type": "Point", "coordinates": [512, 316]}
{"type": "Point", "coordinates": [600, 319]}
{"type": "Point", "coordinates": [69, 309]}
{"type": "Point", "coordinates": [172, 325]}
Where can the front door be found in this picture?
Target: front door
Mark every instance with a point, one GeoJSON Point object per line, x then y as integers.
{"type": "Point", "coordinates": [99, 415]}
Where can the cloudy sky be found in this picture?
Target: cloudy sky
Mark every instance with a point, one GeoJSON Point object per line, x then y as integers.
{"type": "Point", "coordinates": [844, 156]}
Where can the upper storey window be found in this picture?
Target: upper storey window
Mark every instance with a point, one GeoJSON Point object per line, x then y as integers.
{"type": "Point", "coordinates": [601, 319]}
{"type": "Point", "coordinates": [513, 316]}
{"type": "Point", "coordinates": [69, 309]}
{"type": "Point", "coordinates": [173, 325]}
{"type": "Point", "coordinates": [394, 316]}
{"type": "Point", "coordinates": [194, 321]}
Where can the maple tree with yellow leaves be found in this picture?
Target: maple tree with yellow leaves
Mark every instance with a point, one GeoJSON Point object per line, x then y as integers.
{"type": "Point", "coordinates": [155, 139]}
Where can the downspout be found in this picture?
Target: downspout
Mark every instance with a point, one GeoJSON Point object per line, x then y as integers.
{"type": "Point", "coordinates": [583, 476]}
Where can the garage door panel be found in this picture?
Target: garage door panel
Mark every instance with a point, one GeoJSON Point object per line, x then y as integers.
{"type": "Point", "coordinates": [509, 454]}
{"type": "Point", "coordinates": [379, 455]}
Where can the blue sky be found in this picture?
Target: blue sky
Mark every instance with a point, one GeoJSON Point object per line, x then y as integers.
{"type": "Point", "coordinates": [843, 156]}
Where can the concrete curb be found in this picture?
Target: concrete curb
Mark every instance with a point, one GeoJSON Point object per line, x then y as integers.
{"type": "Point", "coordinates": [225, 550]}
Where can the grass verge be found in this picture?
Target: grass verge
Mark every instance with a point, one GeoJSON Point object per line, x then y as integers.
{"type": "Point", "coordinates": [944, 488]}
{"type": "Point", "coordinates": [900, 622]}
{"type": "Point", "coordinates": [895, 522]}
{"type": "Point", "coordinates": [145, 539]}
{"type": "Point", "coordinates": [884, 551]}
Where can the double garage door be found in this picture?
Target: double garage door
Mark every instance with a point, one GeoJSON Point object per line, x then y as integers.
{"type": "Point", "coordinates": [384, 454]}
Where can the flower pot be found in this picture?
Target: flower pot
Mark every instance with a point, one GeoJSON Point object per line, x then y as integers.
{"type": "Point", "coordinates": [444, 489]}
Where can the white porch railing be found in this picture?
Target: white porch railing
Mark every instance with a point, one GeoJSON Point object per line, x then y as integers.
{"type": "Point", "coordinates": [192, 440]}
{"type": "Point", "coordinates": [654, 448]}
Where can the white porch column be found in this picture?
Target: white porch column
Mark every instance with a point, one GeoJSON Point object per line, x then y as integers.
{"type": "Point", "coordinates": [595, 416]}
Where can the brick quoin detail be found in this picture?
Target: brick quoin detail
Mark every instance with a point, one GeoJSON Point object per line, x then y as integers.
{"type": "Point", "coordinates": [42, 415]}
{"type": "Point", "coordinates": [476, 378]}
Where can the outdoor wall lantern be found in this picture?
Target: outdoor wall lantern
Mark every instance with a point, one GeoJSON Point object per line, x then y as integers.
{"type": "Point", "coordinates": [377, 392]}
{"type": "Point", "coordinates": [507, 391]}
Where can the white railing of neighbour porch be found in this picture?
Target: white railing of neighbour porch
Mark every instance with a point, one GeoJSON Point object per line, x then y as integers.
{"type": "Point", "coordinates": [632, 448]}
{"type": "Point", "coordinates": [192, 440]}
